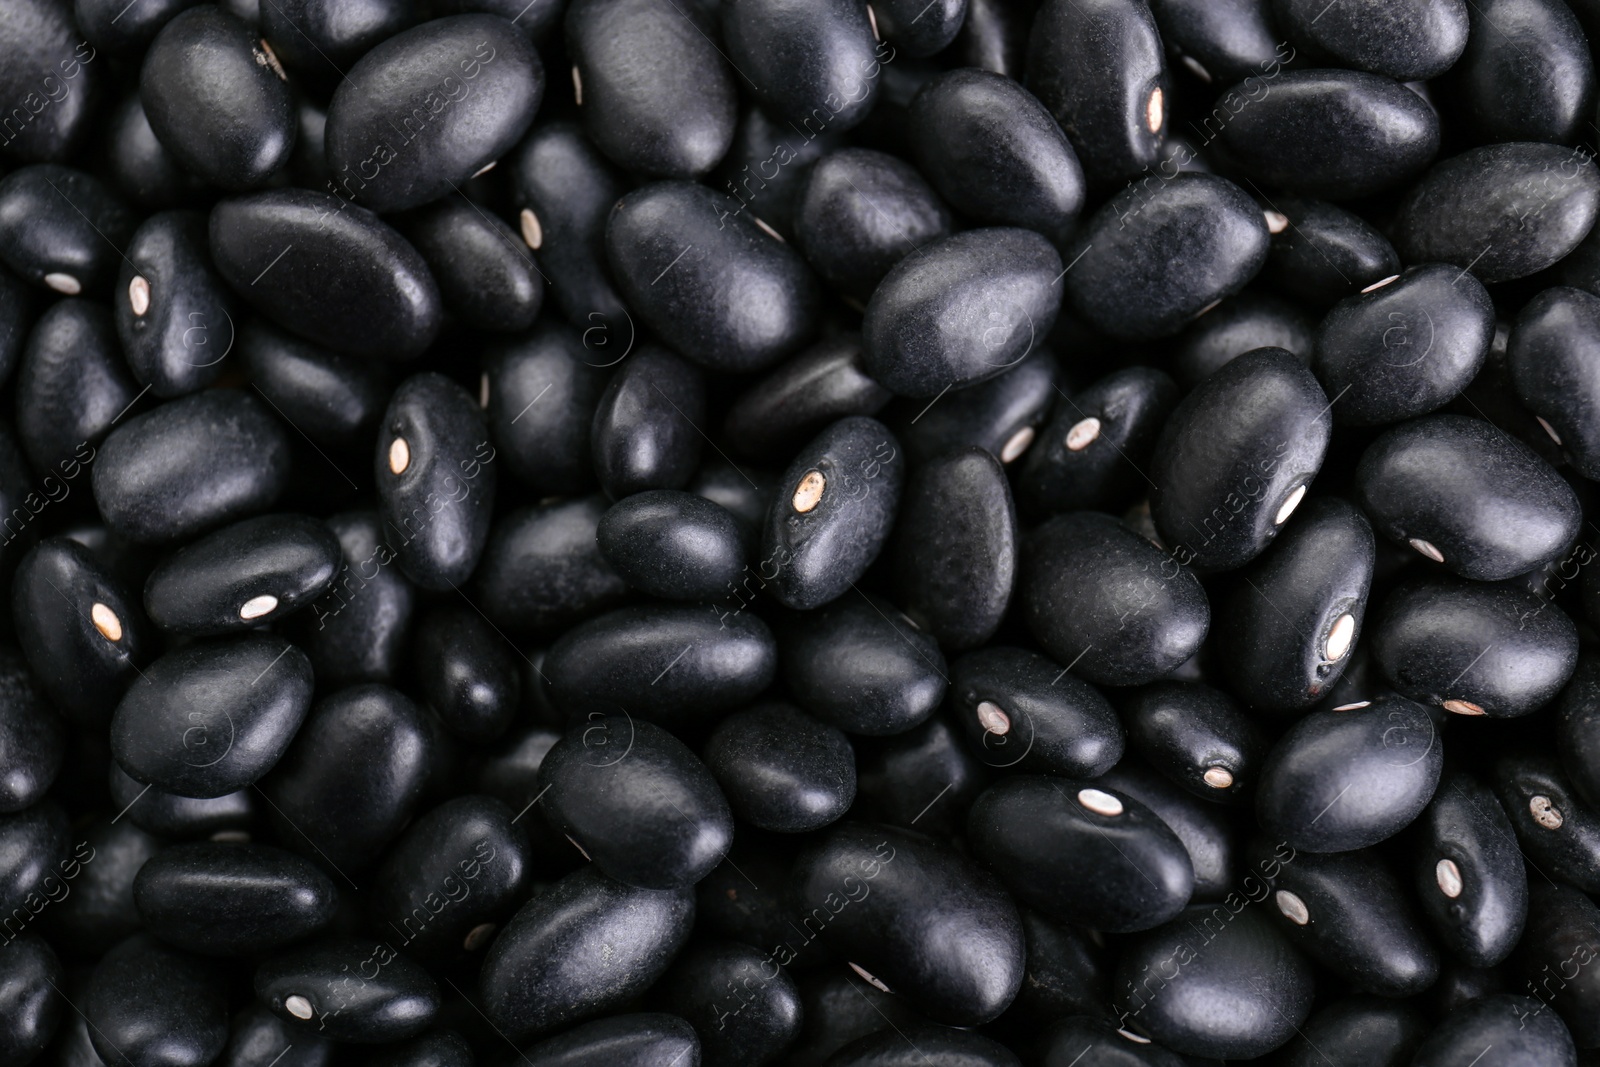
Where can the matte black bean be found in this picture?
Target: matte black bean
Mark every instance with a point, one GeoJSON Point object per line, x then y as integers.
{"type": "Point", "coordinates": [61, 228]}
{"type": "Point", "coordinates": [839, 1007]}
{"type": "Point", "coordinates": [1100, 597]}
{"type": "Point", "coordinates": [353, 777]}
{"type": "Point", "coordinates": [1098, 67]}
{"type": "Point", "coordinates": [1501, 1030]}
{"type": "Point", "coordinates": [319, 41]}
{"type": "Point", "coordinates": [1503, 211]}
{"type": "Point", "coordinates": [564, 190]}
{"type": "Point", "coordinates": [145, 171]}
{"type": "Point", "coordinates": [1413, 40]}
{"type": "Point", "coordinates": [1235, 459]}
{"type": "Point", "coordinates": [30, 975]}
{"type": "Point", "coordinates": [1197, 737]}
{"type": "Point", "coordinates": [672, 664]}
{"type": "Point", "coordinates": [711, 284]}
{"type": "Point", "coordinates": [244, 575]}
{"type": "Point", "coordinates": [1387, 757]}
{"type": "Point", "coordinates": [501, 82]}
{"type": "Point", "coordinates": [918, 917]}
{"type": "Point", "coordinates": [544, 439]}
{"type": "Point", "coordinates": [485, 272]}
{"type": "Point", "coordinates": [672, 544]}
{"type": "Point", "coordinates": [1448, 484]}
{"type": "Point", "coordinates": [333, 399]}
{"type": "Point", "coordinates": [436, 480]}
{"type": "Point", "coordinates": [1209, 835]}
{"type": "Point", "coordinates": [1241, 989]}
{"type": "Point", "coordinates": [802, 396]}
{"type": "Point", "coordinates": [1405, 348]}
{"type": "Point", "coordinates": [453, 874]}
{"type": "Point", "coordinates": [1553, 958]}
{"type": "Point", "coordinates": [646, 431]}
{"type": "Point", "coordinates": [71, 385]}
{"type": "Point", "coordinates": [1221, 42]}
{"type": "Point", "coordinates": [155, 1006]}
{"type": "Point", "coordinates": [1092, 452]}
{"type": "Point", "coordinates": [639, 1039]}
{"type": "Point", "coordinates": [832, 512]}
{"type": "Point", "coordinates": [1042, 836]}
{"type": "Point", "coordinates": [41, 41]}
{"type": "Point", "coordinates": [1286, 631]}
{"type": "Point", "coordinates": [171, 815]}
{"type": "Point", "coordinates": [856, 666]}
{"type": "Point", "coordinates": [1526, 74]}
{"type": "Point", "coordinates": [1551, 352]}
{"type": "Point", "coordinates": [583, 948]}
{"type": "Point", "coordinates": [1111, 1048]}
{"type": "Point", "coordinates": [1336, 134]}
{"type": "Point", "coordinates": [995, 153]}
{"type": "Point", "coordinates": [661, 99]}
{"type": "Point", "coordinates": [1155, 256]}
{"type": "Point", "coordinates": [312, 988]}
{"type": "Point", "coordinates": [174, 316]}
{"type": "Point", "coordinates": [468, 673]}
{"type": "Point", "coordinates": [1322, 252]}
{"type": "Point", "coordinates": [924, 778]}
{"type": "Point", "coordinates": [231, 899]}
{"type": "Point", "coordinates": [356, 631]}
{"type": "Point", "coordinates": [955, 555]}
{"type": "Point", "coordinates": [199, 722]}
{"type": "Point", "coordinates": [1001, 415]}
{"type": "Point", "coordinates": [99, 911]}
{"type": "Point", "coordinates": [33, 738]}
{"type": "Point", "coordinates": [900, 22]}
{"type": "Point", "coordinates": [1349, 912]}
{"type": "Point", "coordinates": [1468, 873]}
{"type": "Point", "coordinates": [607, 779]}
{"type": "Point", "coordinates": [217, 98]}
{"type": "Point", "coordinates": [1239, 324]}
{"type": "Point", "coordinates": [806, 62]}
{"type": "Point", "coordinates": [33, 847]}
{"type": "Point", "coordinates": [189, 465]}
{"type": "Point", "coordinates": [737, 1032]}
{"type": "Point", "coordinates": [994, 36]}
{"type": "Point", "coordinates": [542, 568]}
{"type": "Point", "coordinates": [1066, 973]}
{"type": "Point", "coordinates": [781, 769]}
{"type": "Point", "coordinates": [1020, 710]}
{"type": "Point", "coordinates": [1559, 834]}
{"type": "Point", "coordinates": [967, 308]}
{"type": "Point", "coordinates": [1359, 1029]}
{"type": "Point", "coordinates": [328, 270]}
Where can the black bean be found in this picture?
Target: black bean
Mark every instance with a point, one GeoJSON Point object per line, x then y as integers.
{"type": "Point", "coordinates": [1550, 353]}
{"type": "Point", "coordinates": [584, 947]}
{"type": "Point", "coordinates": [429, 108]}
{"type": "Point", "coordinates": [150, 1004]}
{"type": "Point", "coordinates": [1209, 837]}
{"type": "Point", "coordinates": [332, 399]}
{"type": "Point", "coordinates": [709, 282]}
{"type": "Point", "coordinates": [545, 438]}
{"type": "Point", "coordinates": [309, 260]}
{"type": "Point", "coordinates": [1081, 854]}
{"type": "Point", "coordinates": [1160, 253]}
{"type": "Point", "coordinates": [917, 916]}
{"type": "Point", "coordinates": [71, 385]}
{"type": "Point", "coordinates": [1239, 324]}
{"type": "Point", "coordinates": [1406, 347]}
{"type": "Point", "coordinates": [1336, 134]}
{"type": "Point", "coordinates": [1468, 873]}
{"type": "Point", "coordinates": [1410, 40]}
{"type": "Point", "coordinates": [174, 317]}
{"type": "Point", "coordinates": [1553, 958]}
{"type": "Point", "coordinates": [171, 815]}
{"type": "Point", "coordinates": [1112, 1047]}
{"type": "Point", "coordinates": [639, 1039]}
{"type": "Point", "coordinates": [217, 98]}
{"type": "Point", "coordinates": [30, 975]}
{"type": "Point", "coordinates": [19, 307]}
{"type": "Point", "coordinates": [768, 164]}
{"type": "Point", "coordinates": [805, 63]}
{"type": "Point", "coordinates": [353, 777]}
{"type": "Point", "coordinates": [1503, 211]}
{"type": "Point", "coordinates": [33, 857]}
{"type": "Point", "coordinates": [232, 899]}
{"type": "Point", "coordinates": [436, 480]}
{"type": "Point", "coordinates": [1501, 1030]}
{"type": "Point", "coordinates": [923, 778]}
{"type": "Point", "coordinates": [857, 666]}
{"type": "Point", "coordinates": [1020, 710]}
{"type": "Point", "coordinates": [1359, 1029]}
{"type": "Point", "coordinates": [646, 431]}
{"type": "Point", "coordinates": [1106, 602]}
{"type": "Point", "coordinates": [1527, 73]}
{"type": "Point", "coordinates": [706, 987]}
{"type": "Point", "coordinates": [542, 568]}
{"type": "Point", "coordinates": [319, 41]}
{"type": "Point", "coordinates": [1066, 972]}
{"type": "Point", "coordinates": [1240, 989]}
{"type": "Point", "coordinates": [1001, 415]}
{"type": "Point", "coordinates": [1197, 737]}
{"type": "Point", "coordinates": [1558, 833]}
{"type": "Point", "coordinates": [33, 738]}
{"type": "Point", "coordinates": [485, 272]}
{"type": "Point", "coordinates": [672, 544]}
{"type": "Point", "coordinates": [468, 673]}
{"type": "Point", "coordinates": [1322, 252]}
{"type": "Point", "coordinates": [1235, 459]}
{"type": "Point", "coordinates": [312, 989]}
{"type": "Point", "coordinates": [100, 910]}
{"type": "Point", "coordinates": [564, 190]}
{"type": "Point", "coordinates": [781, 769]}
{"type": "Point", "coordinates": [43, 57]}
{"type": "Point", "coordinates": [966, 308]}
{"type": "Point", "coordinates": [257, 1036]}
{"type": "Point", "coordinates": [144, 170]}
{"type": "Point", "coordinates": [831, 513]}
{"type": "Point", "coordinates": [1098, 67]}
{"type": "Point", "coordinates": [356, 631]}
{"type": "Point", "coordinates": [1388, 754]}
{"type": "Point", "coordinates": [801, 397]}
{"type": "Point", "coordinates": [1220, 43]}
{"type": "Point", "coordinates": [61, 228]}
{"type": "Point", "coordinates": [1576, 728]}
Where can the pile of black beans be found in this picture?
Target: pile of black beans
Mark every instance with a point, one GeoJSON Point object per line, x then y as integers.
{"type": "Point", "coordinates": [715, 533]}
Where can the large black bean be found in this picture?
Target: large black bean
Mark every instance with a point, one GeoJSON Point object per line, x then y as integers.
{"type": "Point", "coordinates": [356, 631]}
{"type": "Point", "coordinates": [1321, 252]}
{"type": "Point", "coordinates": [806, 62]}
{"type": "Point", "coordinates": [545, 438]}
{"type": "Point", "coordinates": [1359, 1029]}
{"type": "Point", "coordinates": [1559, 834]}
{"type": "Point", "coordinates": [217, 98]}
{"type": "Point", "coordinates": [801, 397]}
{"type": "Point", "coordinates": [1553, 959]}
{"type": "Point", "coordinates": [42, 58]}
{"type": "Point", "coordinates": [318, 40]}
{"type": "Point", "coordinates": [1468, 873]}
{"type": "Point", "coordinates": [332, 399]}
{"type": "Point", "coordinates": [62, 228]}
{"type": "Point", "coordinates": [311, 989]}
{"type": "Point", "coordinates": [485, 272]}
{"type": "Point", "coordinates": [468, 673]}
{"type": "Point", "coordinates": [1501, 1031]}
{"type": "Point", "coordinates": [1409, 40]}
{"type": "Point", "coordinates": [1553, 350]}
{"type": "Point", "coordinates": [30, 1001]}
{"type": "Point", "coordinates": [638, 1039]}
{"type": "Point", "coordinates": [1526, 74]}
{"type": "Point", "coordinates": [148, 1005]}
{"type": "Point", "coordinates": [646, 431]}
{"type": "Point", "coordinates": [174, 316]}
{"type": "Point", "coordinates": [1209, 835]}
{"type": "Point", "coordinates": [231, 899]}
{"type": "Point", "coordinates": [854, 665]}
{"type": "Point", "coordinates": [781, 769]}
{"type": "Point", "coordinates": [1197, 737]}
{"type": "Point", "coordinates": [672, 544]}
{"type": "Point", "coordinates": [72, 385]}
{"type": "Point", "coordinates": [542, 568]}
{"type": "Point", "coordinates": [737, 1032]}
{"type": "Point", "coordinates": [1001, 415]}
